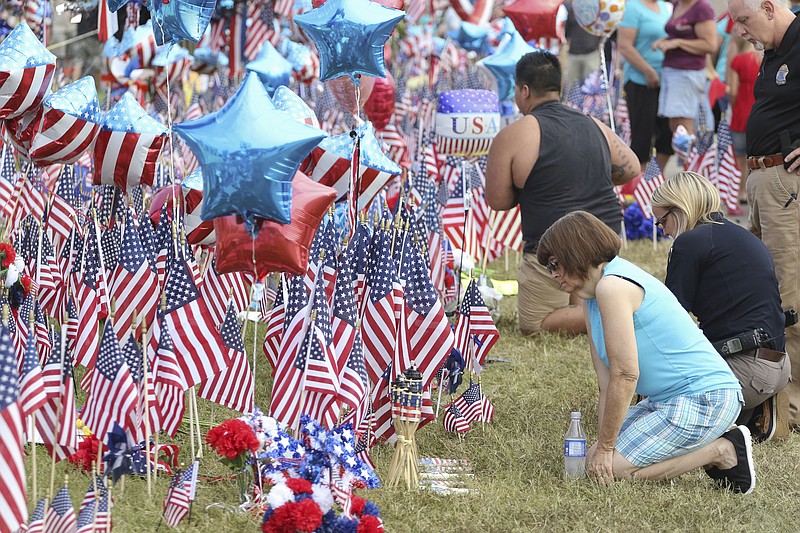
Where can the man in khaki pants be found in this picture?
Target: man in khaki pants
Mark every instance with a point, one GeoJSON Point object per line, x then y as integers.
{"type": "Point", "coordinates": [773, 137]}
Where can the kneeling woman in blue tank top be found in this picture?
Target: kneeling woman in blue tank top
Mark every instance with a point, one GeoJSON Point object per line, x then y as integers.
{"type": "Point", "coordinates": [642, 340]}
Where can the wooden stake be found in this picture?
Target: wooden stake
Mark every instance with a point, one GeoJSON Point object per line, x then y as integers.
{"type": "Point", "coordinates": [31, 428]}
{"type": "Point", "coordinates": [147, 427]}
{"type": "Point", "coordinates": [59, 407]}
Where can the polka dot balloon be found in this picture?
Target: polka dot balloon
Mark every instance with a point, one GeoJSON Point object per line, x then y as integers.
{"type": "Point", "coordinates": [599, 17]}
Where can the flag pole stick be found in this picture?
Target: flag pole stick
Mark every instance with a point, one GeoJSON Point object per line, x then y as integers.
{"type": "Point", "coordinates": [197, 422]}
{"type": "Point", "coordinates": [108, 503]}
{"type": "Point", "coordinates": [96, 477]}
{"type": "Point", "coordinates": [33, 455]}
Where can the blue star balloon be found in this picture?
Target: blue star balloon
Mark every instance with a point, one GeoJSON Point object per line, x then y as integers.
{"type": "Point", "coordinates": [26, 70]}
{"type": "Point", "coordinates": [272, 68]}
{"type": "Point", "coordinates": [249, 152]}
{"type": "Point", "coordinates": [350, 35]}
{"type": "Point", "coordinates": [471, 37]}
{"type": "Point", "coordinates": [176, 20]}
{"type": "Point", "coordinates": [502, 64]}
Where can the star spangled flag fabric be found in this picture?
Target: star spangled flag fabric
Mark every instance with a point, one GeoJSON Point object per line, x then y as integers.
{"type": "Point", "coordinates": [427, 337]}
{"type": "Point", "coordinates": [651, 178]}
{"type": "Point", "coordinates": [112, 394]}
{"type": "Point", "coordinates": [55, 421]}
{"type": "Point", "coordinates": [454, 421]}
{"type": "Point", "coordinates": [32, 395]}
{"type": "Point", "coordinates": [95, 514]}
{"type": "Point", "coordinates": [89, 300]}
{"type": "Point", "coordinates": [216, 288]}
{"type": "Point", "coordinates": [330, 164]}
{"type": "Point", "coordinates": [70, 122]}
{"type": "Point", "coordinates": [134, 360]}
{"type": "Point", "coordinates": [728, 176]}
{"type": "Point", "coordinates": [128, 145]}
{"type": "Point", "coordinates": [13, 506]}
{"type": "Point", "coordinates": [26, 71]}
{"type": "Point", "coordinates": [196, 338]}
{"type": "Point", "coordinates": [274, 334]}
{"type": "Point", "coordinates": [135, 285]}
{"type": "Point", "coordinates": [260, 18]}
{"type": "Point", "coordinates": [475, 333]}
{"type": "Point", "coordinates": [470, 402]}
{"type": "Point", "coordinates": [317, 360]}
{"type": "Point", "coordinates": [347, 342]}
{"type": "Point", "coordinates": [382, 306]}
{"type": "Point", "coordinates": [36, 522]}
{"type": "Point", "coordinates": [8, 180]}
{"type": "Point", "coordinates": [233, 387]}
{"type": "Point", "coordinates": [176, 505]}
{"type": "Point", "coordinates": [60, 516]}
{"type": "Point", "coordinates": [169, 379]}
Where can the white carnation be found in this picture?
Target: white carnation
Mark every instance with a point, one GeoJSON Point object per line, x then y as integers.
{"type": "Point", "coordinates": [279, 494]}
{"type": "Point", "coordinates": [322, 495]}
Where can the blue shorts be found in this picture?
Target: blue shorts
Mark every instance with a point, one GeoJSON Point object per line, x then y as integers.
{"type": "Point", "coordinates": [682, 93]}
{"type": "Point", "coordinates": [656, 431]}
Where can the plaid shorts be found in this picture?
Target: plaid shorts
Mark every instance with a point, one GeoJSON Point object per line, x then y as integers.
{"type": "Point", "coordinates": [655, 431]}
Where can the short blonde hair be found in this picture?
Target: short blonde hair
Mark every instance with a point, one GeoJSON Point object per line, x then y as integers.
{"type": "Point", "coordinates": [690, 197]}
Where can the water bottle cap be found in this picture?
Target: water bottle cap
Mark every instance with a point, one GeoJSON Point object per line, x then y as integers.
{"type": "Point", "coordinates": [575, 414]}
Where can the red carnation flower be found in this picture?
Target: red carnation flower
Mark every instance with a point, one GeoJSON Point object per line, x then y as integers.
{"type": "Point", "coordinates": [86, 455]}
{"type": "Point", "coordinates": [370, 524]}
{"type": "Point", "coordinates": [9, 254]}
{"type": "Point", "coordinates": [299, 485]}
{"type": "Point", "coordinates": [357, 506]}
{"type": "Point", "coordinates": [26, 283]}
{"type": "Point", "coordinates": [307, 515]}
{"type": "Point", "coordinates": [232, 438]}
{"type": "Point", "coordinates": [281, 520]}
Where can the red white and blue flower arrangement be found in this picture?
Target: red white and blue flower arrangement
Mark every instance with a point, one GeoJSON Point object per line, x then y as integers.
{"type": "Point", "coordinates": [300, 480]}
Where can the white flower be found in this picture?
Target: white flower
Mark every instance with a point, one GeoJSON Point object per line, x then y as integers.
{"type": "Point", "coordinates": [279, 494]}
{"type": "Point", "coordinates": [322, 495]}
{"type": "Point", "coordinates": [19, 263]}
{"type": "Point", "coordinates": [12, 275]}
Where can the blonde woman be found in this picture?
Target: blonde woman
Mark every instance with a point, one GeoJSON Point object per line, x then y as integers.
{"type": "Point", "coordinates": [724, 275]}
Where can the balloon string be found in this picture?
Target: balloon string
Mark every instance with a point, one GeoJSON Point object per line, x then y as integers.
{"type": "Point", "coordinates": [604, 75]}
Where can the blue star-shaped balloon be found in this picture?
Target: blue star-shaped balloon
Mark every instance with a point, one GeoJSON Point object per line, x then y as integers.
{"type": "Point", "coordinates": [22, 49]}
{"type": "Point", "coordinates": [471, 37]}
{"type": "Point", "coordinates": [502, 64]}
{"type": "Point", "coordinates": [249, 152]}
{"type": "Point", "coordinates": [350, 35]}
{"type": "Point", "coordinates": [272, 68]}
{"type": "Point", "coordinates": [176, 20]}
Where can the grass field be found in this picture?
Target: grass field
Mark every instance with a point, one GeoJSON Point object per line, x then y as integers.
{"type": "Point", "coordinates": [517, 461]}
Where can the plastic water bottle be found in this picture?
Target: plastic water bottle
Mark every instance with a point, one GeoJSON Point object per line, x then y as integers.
{"type": "Point", "coordinates": [575, 448]}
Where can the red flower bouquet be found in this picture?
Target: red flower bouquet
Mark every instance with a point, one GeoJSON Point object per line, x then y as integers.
{"type": "Point", "coordinates": [233, 439]}
{"type": "Point", "coordinates": [7, 254]}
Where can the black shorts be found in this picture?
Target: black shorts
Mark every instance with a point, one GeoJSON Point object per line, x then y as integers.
{"type": "Point", "coordinates": [647, 128]}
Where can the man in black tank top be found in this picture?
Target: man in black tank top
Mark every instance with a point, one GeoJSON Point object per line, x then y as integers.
{"type": "Point", "coordinates": [552, 161]}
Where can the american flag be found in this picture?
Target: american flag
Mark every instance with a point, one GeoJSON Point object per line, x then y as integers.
{"type": "Point", "coordinates": [454, 421]}
{"type": "Point", "coordinates": [140, 42]}
{"type": "Point", "coordinates": [13, 507]}
{"type": "Point", "coordinates": [234, 386]}
{"type": "Point", "coordinates": [330, 164]}
{"type": "Point", "coordinates": [507, 228]}
{"type": "Point", "coordinates": [128, 145]}
{"type": "Point", "coordinates": [196, 338]}
{"type": "Point", "coordinates": [95, 514]}
{"type": "Point", "coordinates": [51, 281]}
{"type": "Point", "coordinates": [284, 8]}
{"type": "Point", "coordinates": [31, 200]}
{"type": "Point", "coordinates": [426, 336]}
{"type": "Point", "coordinates": [272, 339]}
{"type": "Point", "coordinates": [112, 394]}
{"type": "Point", "coordinates": [176, 505]}
{"type": "Point", "coordinates": [111, 246]}
{"type": "Point", "coordinates": [216, 288]}
{"type": "Point", "coordinates": [728, 175]}
{"type": "Point", "coordinates": [470, 402]}
{"type": "Point", "coordinates": [651, 178]}
{"type": "Point", "coordinates": [61, 215]}
{"type": "Point", "coordinates": [285, 388]}
{"type": "Point", "coordinates": [382, 306]}
{"type": "Point", "coordinates": [89, 302]}
{"type": "Point", "coordinates": [476, 333]}
{"type": "Point", "coordinates": [36, 523]}
{"type": "Point", "coordinates": [148, 239]}
{"type": "Point", "coordinates": [134, 358]}
{"type": "Point", "coordinates": [259, 19]}
{"type": "Point", "coordinates": [395, 144]}
{"type": "Point", "coordinates": [8, 179]}
{"type": "Point", "coordinates": [56, 420]}
{"type": "Point", "coordinates": [169, 380]}
{"type": "Point", "coordinates": [135, 285]}
{"type": "Point", "coordinates": [236, 40]}
{"type": "Point", "coordinates": [32, 395]}
{"type": "Point", "coordinates": [347, 342]}
{"type": "Point", "coordinates": [316, 359]}
{"type": "Point", "coordinates": [60, 516]}
{"type": "Point", "coordinates": [26, 71]}
{"type": "Point", "coordinates": [70, 124]}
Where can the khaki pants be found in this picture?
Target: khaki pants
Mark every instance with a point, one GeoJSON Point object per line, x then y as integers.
{"type": "Point", "coordinates": [579, 66]}
{"type": "Point", "coordinates": [775, 218]}
{"type": "Point", "coordinates": [760, 379]}
{"type": "Point", "coordinates": [539, 295]}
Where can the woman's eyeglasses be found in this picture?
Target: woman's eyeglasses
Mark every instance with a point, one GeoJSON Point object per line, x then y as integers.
{"type": "Point", "coordinates": [661, 221]}
{"type": "Point", "coordinates": [552, 266]}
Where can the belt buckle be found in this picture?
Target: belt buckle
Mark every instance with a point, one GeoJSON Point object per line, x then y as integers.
{"type": "Point", "coordinates": [761, 163]}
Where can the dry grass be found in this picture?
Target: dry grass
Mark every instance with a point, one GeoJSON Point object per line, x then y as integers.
{"type": "Point", "coordinates": [518, 484]}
